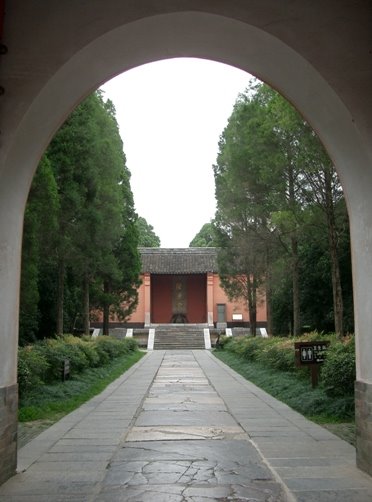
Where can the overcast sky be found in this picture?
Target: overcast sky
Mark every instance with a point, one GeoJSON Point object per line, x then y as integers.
{"type": "Point", "coordinates": [171, 114]}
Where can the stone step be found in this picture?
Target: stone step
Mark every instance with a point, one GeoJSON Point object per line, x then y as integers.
{"type": "Point", "coordinates": [181, 347]}
{"type": "Point", "coordinates": [167, 336]}
{"type": "Point", "coordinates": [179, 333]}
{"type": "Point", "coordinates": [170, 337]}
{"type": "Point", "coordinates": [178, 339]}
{"type": "Point", "coordinates": [183, 337]}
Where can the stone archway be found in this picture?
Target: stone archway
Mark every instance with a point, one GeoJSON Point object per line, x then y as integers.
{"type": "Point", "coordinates": [58, 54]}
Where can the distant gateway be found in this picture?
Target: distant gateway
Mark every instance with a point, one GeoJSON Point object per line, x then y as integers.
{"type": "Point", "coordinates": [181, 285]}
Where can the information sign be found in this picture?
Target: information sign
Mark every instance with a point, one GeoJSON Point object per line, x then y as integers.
{"type": "Point", "coordinates": [311, 354]}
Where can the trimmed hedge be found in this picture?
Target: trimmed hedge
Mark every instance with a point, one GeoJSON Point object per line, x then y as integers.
{"type": "Point", "coordinates": [41, 363]}
{"type": "Point", "coordinates": [337, 373]}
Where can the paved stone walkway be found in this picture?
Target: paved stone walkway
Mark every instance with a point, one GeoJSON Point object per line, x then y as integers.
{"type": "Point", "coordinates": [182, 426]}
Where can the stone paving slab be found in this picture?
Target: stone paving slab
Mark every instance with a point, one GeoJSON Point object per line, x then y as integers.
{"type": "Point", "coordinates": [202, 470]}
{"type": "Point", "coordinates": [180, 493]}
{"type": "Point", "coordinates": [115, 401]}
{"type": "Point", "coordinates": [333, 496]}
{"type": "Point", "coordinates": [187, 418]}
{"type": "Point", "coordinates": [206, 406]}
{"type": "Point", "coordinates": [181, 396]}
{"type": "Point", "coordinates": [311, 462]}
{"type": "Point", "coordinates": [201, 454]}
{"type": "Point", "coordinates": [182, 426]}
{"type": "Point", "coordinates": [76, 455]}
{"type": "Point", "coordinates": [183, 432]}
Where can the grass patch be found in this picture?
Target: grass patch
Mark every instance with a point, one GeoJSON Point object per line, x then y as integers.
{"type": "Point", "coordinates": [294, 390]}
{"type": "Point", "coordinates": [53, 401]}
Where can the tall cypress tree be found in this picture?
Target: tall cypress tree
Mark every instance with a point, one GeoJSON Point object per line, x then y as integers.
{"type": "Point", "coordinates": [94, 234]}
{"type": "Point", "coordinates": [40, 225]}
{"type": "Point", "coordinates": [271, 170]}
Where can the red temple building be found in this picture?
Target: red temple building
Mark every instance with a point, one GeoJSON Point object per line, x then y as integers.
{"type": "Point", "coordinates": [183, 286]}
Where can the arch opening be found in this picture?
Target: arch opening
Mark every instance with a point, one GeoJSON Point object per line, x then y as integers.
{"type": "Point", "coordinates": [81, 68]}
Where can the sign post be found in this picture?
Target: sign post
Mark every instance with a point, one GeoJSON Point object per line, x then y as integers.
{"type": "Point", "coordinates": [311, 354]}
{"type": "Point", "coordinates": [65, 369]}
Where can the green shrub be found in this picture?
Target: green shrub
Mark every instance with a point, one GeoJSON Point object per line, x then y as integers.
{"type": "Point", "coordinates": [252, 347]}
{"type": "Point", "coordinates": [279, 355]}
{"type": "Point", "coordinates": [78, 360]}
{"type": "Point", "coordinates": [31, 367]}
{"type": "Point", "coordinates": [236, 345]}
{"type": "Point", "coordinates": [131, 344]}
{"type": "Point", "coordinates": [56, 351]}
{"type": "Point", "coordinates": [112, 346]}
{"type": "Point", "coordinates": [103, 356]}
{"type": "Point", "coordinates": [289, 388]}
{"type": "Point", "coordinates": [87, 346]}
{"type": "Point", "coordinates": [247, 347]}
{"type": "Point", "coordinates": [91, 354]}
{"type": "Point", "coordinates": [43, 361]}
{"type": "Point", "coordinates": [338, 371]}
{"type": "Point", "coordinates": [223, 340]}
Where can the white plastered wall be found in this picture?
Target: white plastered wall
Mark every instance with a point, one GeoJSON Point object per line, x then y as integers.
{"type": "Point", "coordinates": [51, 96]}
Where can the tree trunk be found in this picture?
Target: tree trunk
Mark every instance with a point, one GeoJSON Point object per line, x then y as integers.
{"type": "Point", "coordinates": [106, 316]}
{"type": "Point", "coordinates": [269, 316]}
{"type": "Point", "coordinates": [268, 288]}
{"type": "Point", "coordinates": [60, 296]}
{"type": "Point", "coordinates": [106, 312]}
{"type": "Point", "coordinates": [252, 304]}
{"type": "Point", "coordinates": [337, 294]}
{"type": "Point", "coordinates": [86, 320]}
{"type": "Point", "coordinates": [338, 306]}
{"type": "Point", "coordinates": [295, 286]}
{"type": "Point", "coordinates": [294, 255]}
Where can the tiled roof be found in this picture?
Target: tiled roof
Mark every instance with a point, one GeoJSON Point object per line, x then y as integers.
{"type": "Point", "coordinates": [178, 260]}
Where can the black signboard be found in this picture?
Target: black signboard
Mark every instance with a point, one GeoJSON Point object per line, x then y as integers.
{"type": "Point", "coordinates": [311, 354]}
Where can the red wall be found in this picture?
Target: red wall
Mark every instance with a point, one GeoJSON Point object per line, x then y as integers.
{"type": "Point", "coordinates": [236, 306]}
{"type": "Point", "coordinates": [161, 301]}
{"type": "Point", "coordinates": [161, 298]}
{"type": "Point", "coordinates": [197, 298]}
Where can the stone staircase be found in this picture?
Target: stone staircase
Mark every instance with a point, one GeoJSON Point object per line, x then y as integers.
{"type": "Point", "coordinates": [175, 337]}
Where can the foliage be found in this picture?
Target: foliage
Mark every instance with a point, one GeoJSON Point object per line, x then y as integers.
{"type": "Point", "coordinates": [80, 238]}
{"type": "Point", "coordinates": [88, 347]}
{"type": "Point", "coordinates": [293, 390]}
{"type": "Point", "coordinates": [281, 220]}
{"type": "Point", "coordinates": [278, 356]}
{"type": "Point", "coordinates": [242, 205]}
{"type": "Point", "coordinates": [147, 236]}
{"type": "Point", "coordinates": [206, 237]}
{"type": "Point", "coordinates": [52, 401]}
{"type": "Point", "coordinates": [338, 371]}
{"type": "Point", "coordinates": [41, 363]}
{"type": "Point", "coordinates": [223, 341]}
{"type": "Point", "coordinates": [32, 365]}
{"type": "Point", "coordinates": [276, 353]}
{"type": "Point", "coordinates": [113, 347]}
{"type": "Point", "coordinates": [40, 223]}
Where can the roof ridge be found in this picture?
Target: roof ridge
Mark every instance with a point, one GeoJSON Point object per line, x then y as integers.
{"type": "Point", "coordinates": [178, 260]}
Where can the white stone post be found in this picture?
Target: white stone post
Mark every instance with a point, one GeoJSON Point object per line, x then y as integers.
{"type": "Point", "coordinates": [210, 299]}
{"type": "Point", "coordinates": [147, 298]}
